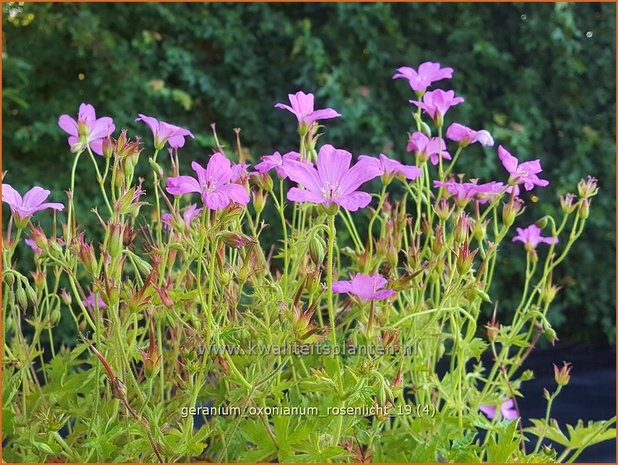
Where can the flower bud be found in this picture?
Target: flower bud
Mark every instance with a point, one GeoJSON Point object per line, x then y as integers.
{"type": "Point", "coordinates": [511, 210]}
{"type": "Point", "coordinates": [542, 223]}
{"type": "Point", "coordinates": [550, 335]}
{"type": "Point", "coordinates": [546, 394]}
{"type": "Point", "coordinates": [259, 201]}
{"type": "Point", "coordinates": [32, 297]}
{"type": "Point", "coordinates": [55, 316]}
{"type": "Point", "coordinates": [392, 256]}
{"type": "Point", "coordinates": [460, 233]}
{"type": "Point", "coordinates": [108, 147]}
{"type": "Point", "coordinates": [87, 256]}
{"type": "Point", "coordinates": [38, 236]}
{"type": "Point", "coordinates": [584, 209]}
{"type": "Point", "coordinates": [317, 249]}
{"type": "Point", "coordinates": [115, 240]}
{"type": "Point", "coordinates": [236, 240]}
{"type": "Point", "coordinates": [465, 258]}
{"type": "Point", "coordinates": [156, 167]}
{"type": "Point", "coordinates": [442, 209]}
{"type": "Point", "coordinates": [562, 375]}
{"type": "Point", "coordinates": [263, 181]}
{"type": "Point", "coordinates": [66, 297]}
{"type": "Point", "coordinates": [479, 230]}
{"type": "Point", "coordinates": [22, 298]}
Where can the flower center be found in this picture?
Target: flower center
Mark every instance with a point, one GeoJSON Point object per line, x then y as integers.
{"type": "Point", "coordinates": [330, 190]}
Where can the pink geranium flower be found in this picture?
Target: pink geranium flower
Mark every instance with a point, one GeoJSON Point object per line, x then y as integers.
{"type": "Point", "coordinates": [465, 136]}
{"type": "Point", "coordinates": [165, 133]}
{"type": "Point", "coordinates": [531, 237]}
{"type": "Point", "coordinates": [389, 167]}
{"type": "Point", "coordinates": [190, 213]}
{"type": "Point", "coordinates": [365, 287]}
{"type": "Point", "coordinates": [302, 107]}
{"type": "Point", "coordinates": [507, 410]}
{"type": "Point", "coordinates": [89, 302]}
{"type": "Point", "coordinates": [463, 192]}
{"type": "Point", "coordinates": [276, 161]}
{"type": "Point", "coordinates": [428, 149]}
{"type": "Point", "coordinates": [333, 182]}
{"type": "Point", "coordinates": [240, 172]}
{"type": "Point", "coordinates": [35, 248]}
{"type": "Point", "coordinates": [521, 173]}
{"type": "Point", "coordinates": [427, 74]}
{"type": "Point", "coordinates": [437, 102]}
{"type": "Point", "coordinates": [214, 183]}
{"type": "Point", "coordinates": [32, 202]}
{"type": "Point", "coordinates": [87, 130]}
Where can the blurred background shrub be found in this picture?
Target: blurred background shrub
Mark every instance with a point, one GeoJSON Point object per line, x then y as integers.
{"type": "Point", "coordinates": [539, 77]}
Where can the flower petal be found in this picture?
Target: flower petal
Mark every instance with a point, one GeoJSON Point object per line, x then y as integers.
{"type": "Point", "coordinates": [333, 164]}
{"type": "Point", "coordinates": [304, 174]}
{"type": "Point", "coordinates": [68, 125]}
{"type": "Point", "coordinates": [35, 197]}
{"type": "Point", "coordinates": [354, 201]}
{"type": "Point", "coordinates": [235, 192]}
{"type": "Point", "coordinates": [179, 185]}
{"type": "Point", "coordinates": [10, 196]}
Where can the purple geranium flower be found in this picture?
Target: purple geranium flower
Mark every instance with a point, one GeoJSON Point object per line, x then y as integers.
{"type": "Point", "coordinates": [465, 136]}
{"type": "Point", "coordinates": [437, 102]}
{"type": "Point", "coordinates": [507, 410]}
{"type": "Point", "coordinates": [302, 107]}
{"type": "Point", "coordinates": [365, 287]}
{"type": "Point", "coordinates": [521, 173]}
{"type": "Point", "coordinates": [87, 130]}
{"type": "Point", "coordinates": [164, 132]}
{"type": "Point", "coordinates": [214, 183]}
{"type": "Point", "coordinates": [531, 237]}
{"type": "Point", "coordinates": [333, 182]}
{"type": "Point", "coordinates": [276, 161]}
{"type": "Point", "coordinates": [89, 301]}
{"type": "Point", "coordinates": [32, 202]}
{"type": "Point", "coordinates": [427, 74]}
{"type": "Point", "coordinates": [390, 167]}
{"type": "Point", "coordinates": [428, 149]}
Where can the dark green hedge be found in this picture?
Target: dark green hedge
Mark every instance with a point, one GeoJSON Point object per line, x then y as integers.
{"type": "Point", "coordinates": [540, 77]}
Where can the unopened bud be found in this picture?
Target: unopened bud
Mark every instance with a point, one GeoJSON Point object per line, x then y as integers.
{"type": "Point", "coordinates": [66, 297]}
{"type": "Point", "coordinates": [114, 246]}
{"type": "Point", "coordinates": [22, 298]}
{"type": "Point", "coordinates": [317, 248]}
{"type": "Point", "coordinates": [236, 240]}
{"type": "Point", "coordinates": [156, 167]}
{"type": "Point", "coordinates": [584, 209]}
{"type": "Point", "coordinates": [259, 201]}
{"type": "Point", "coordinates": [55, 316]}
